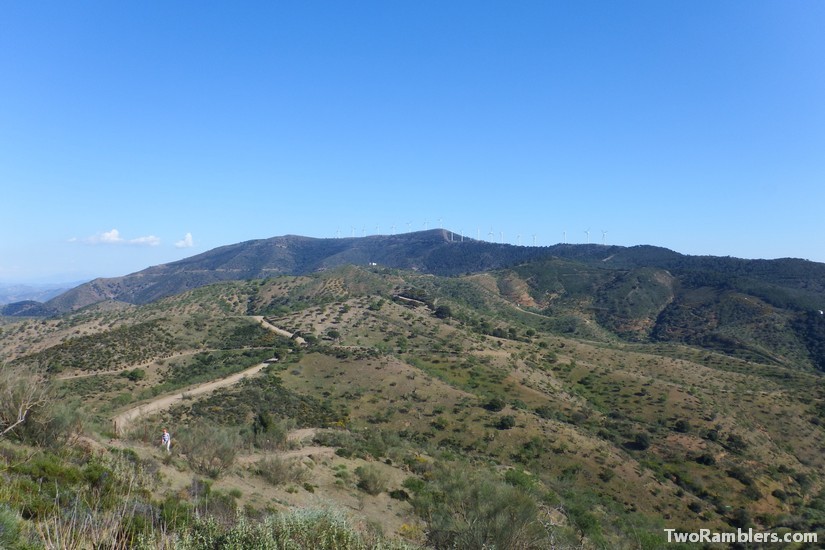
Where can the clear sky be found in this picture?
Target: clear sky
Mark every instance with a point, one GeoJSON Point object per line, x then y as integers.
{"type": "Point", "coordinates": [137, 133]}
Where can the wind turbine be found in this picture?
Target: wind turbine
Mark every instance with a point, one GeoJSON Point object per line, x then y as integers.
{"type": "Point", "coordinates": [425, 224]}
{"type": "Point", "coordinates": [491, 235]}
{"type": "Point", "coordinates": [392, 230]}
{"type": "Point", "coordinates": [564, 238]}
{"type": "Point", "coordinates": [377, 229]}
{"type": "Point", "coordinates": [353, 231]}
{"type": "Point", "coordinates": [587, 235]}
{"type": "Point", "coordinates": [408, 226]}
{"type": "Point", "coordinates": [338, 233]}
{"type": "Point", "coordinates": [440, 225]}
{"type": "Point", "coordinates": [534, 239]}
{"type": "Point", "coordinates": [604, 234]}
{"type": "Point", "coordinates": [518, 240]}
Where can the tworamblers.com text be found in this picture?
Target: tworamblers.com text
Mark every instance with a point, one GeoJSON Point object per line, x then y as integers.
{"type": "Point", "coordinates": [741, 536]}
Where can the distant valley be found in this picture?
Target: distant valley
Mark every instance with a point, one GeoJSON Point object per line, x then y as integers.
{"type": "Point", "coordinates": [19, 292]}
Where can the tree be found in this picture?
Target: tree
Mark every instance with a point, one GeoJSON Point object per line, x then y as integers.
{"type": "Point", "coordinates": [642, 441]}
{"type": "Point", "coordinates": [443, 312]}
{"type": "Point", "coordinates": [21, 394]}
{"type": "Point", "coordinates": [495, 404]}
{"type": "Point", "coordinates": [506, 422]}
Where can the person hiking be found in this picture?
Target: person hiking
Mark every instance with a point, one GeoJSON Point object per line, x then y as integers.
{"type": "Point", "coordinates": [166, 440]}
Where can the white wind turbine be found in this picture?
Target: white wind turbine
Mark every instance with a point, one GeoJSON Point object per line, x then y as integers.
{"type": "Point", "coordinates": [587, 235]}
{"type": "Point", "coordinates": [604, 237]}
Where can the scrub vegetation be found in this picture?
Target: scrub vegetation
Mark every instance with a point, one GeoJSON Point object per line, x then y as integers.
{"type": "Point", "coordinates": [552, 404]}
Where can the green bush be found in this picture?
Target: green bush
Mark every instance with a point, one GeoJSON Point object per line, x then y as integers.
{"type": "Point", "coordinates": [319, 529]}
{"type": "Point", "coordinates": [519, 478]}
{"type": "Point", "coordinates": [495, 404]}
{"type": "Point", "coordinates": [269, 433]}
{"type": "Point", "coordinates": [279, 471]}
{"type": "Point", "coordinates": [135, 375]}
{"type": "Point", "coordinates": [371, 480]}
{"type": "Point", "coordinates": [506, 422]}
{"type": "Point", "coordinates": [9, 528]}
{"type": "Point", "coordinates": [471, 509]}
{"type": "Point", "coordinates": [209, 449]}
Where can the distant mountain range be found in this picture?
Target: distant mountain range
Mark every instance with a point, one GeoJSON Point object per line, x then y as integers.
{"type": "Point", "coordinates": [15, 292]}
{"type": "Point", "coordinates": [788, 283]}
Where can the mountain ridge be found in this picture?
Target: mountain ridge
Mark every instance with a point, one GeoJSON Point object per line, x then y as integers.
{"type": "Point", "coordinates": [436, 251]}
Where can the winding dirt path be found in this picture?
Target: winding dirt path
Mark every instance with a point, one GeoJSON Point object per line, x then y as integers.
{"type": "Point", "coordinates": [122, 421]}
{"type": "Point", "coordinates": [279, 331]}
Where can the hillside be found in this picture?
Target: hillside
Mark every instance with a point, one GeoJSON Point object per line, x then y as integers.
{"type": "Point", "coordinates": [791, 284]}
{"type": "Point", "coordinates": [594, 403]}
{"type": "Point", "coordinates": [436, 251]}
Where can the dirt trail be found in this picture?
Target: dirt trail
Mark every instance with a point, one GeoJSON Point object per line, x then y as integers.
{"type": "Point", "coordinates": [122, 421]}
{"type": "Point", "coordinates": [281, 332]}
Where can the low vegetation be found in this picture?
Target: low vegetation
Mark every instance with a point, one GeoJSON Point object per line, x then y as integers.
{"type": "Point", "coordinates": [550, 405]}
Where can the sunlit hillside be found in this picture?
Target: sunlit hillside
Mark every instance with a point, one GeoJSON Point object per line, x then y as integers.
{"type": "Point", "coordinates": [555, 404]}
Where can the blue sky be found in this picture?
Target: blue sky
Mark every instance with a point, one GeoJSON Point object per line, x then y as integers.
{"type": "Point", "coordinates": [133, 134]}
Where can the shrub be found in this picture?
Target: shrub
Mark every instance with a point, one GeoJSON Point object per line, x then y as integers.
{"type": "Point", "coordinates": [443, 312]}
{"type": "Point", "coordinates": [519, 478]}
{"type": "Point", "coordinates": [9, 528]}
{"type": "Point", "coordinates": [641, 441]}
{"type": "Point", "coordinates": [706, 459]}
{"type": "Point", "coordinates": [321, 529]}
{"type": "Point", "coordinates": [371, 480]}
{"type": "Point", "coordinates": [495, 404]}
{"type": "Point", "coordinates": [440, 423]}
{"type": "Point", "coordinates": [270, 434]}
{"type": "Point", "coordinates": [506, 422]}
{"type": "Point", "coordinates": [414, 484]}
{"type": "Point", "coordinates": [135, 375]}
{"type": "Point", "coordinates": [470, 509]}
{"type": "Point", "coordinates": [209, 449]}
{"type": "Point", "coordinates": [23, 395]}
{"type": "Point", "coordinates": [279, 471]}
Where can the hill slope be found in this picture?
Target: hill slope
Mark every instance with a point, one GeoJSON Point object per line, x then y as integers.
{"type": "Point", "coordinates": [435, 251]}
{"type": "Point", "coordinates": [787, 283]}
{"type": "Point", "coordinates": [508, 377]}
